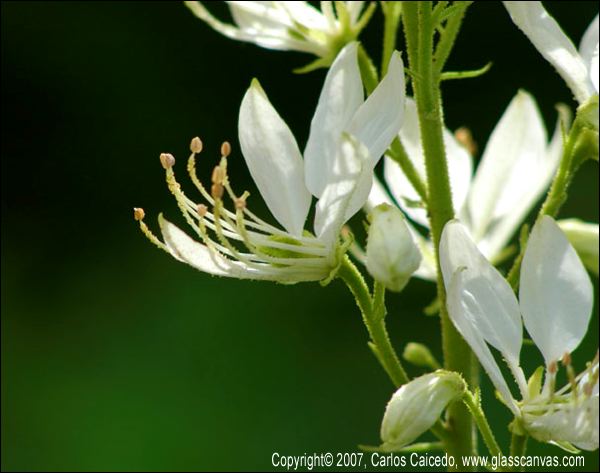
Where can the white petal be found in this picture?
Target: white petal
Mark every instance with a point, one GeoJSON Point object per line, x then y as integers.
{"type": "Point", "coordinates": [588, 48]}
{"type": "Point", "coordinates": [272, 38]}
{"type": "Point", "coordinates": [463, 310]}
{"type": "Point", "coordinates": [594, 68]}
{"type": "Point", "coordinates": [556, 293]}
{"type": "Point", "coordinates": [354, 9]}
{"type": "Point", "coordinates": [260, 17]}
{"type": "Point", "coordinates": [273, 159]}
{"type": "Point", "coordinates": [428, 268]}
{"type": "Point", "coordinates": [189, 251]}
{"type": "Point", "coordinates": [378, 120]}
{"type": "Point", "coordinates": [341, 96]}
{"type": "Point", "coordinates": [511, 165]}
{"type": "Point", "coordinates": [333, 207]}
{"type": "Point", "coordinates": [400, 187]}
{"type": "Point", "coordinates": [460, 168]}
{"type": "Point", "coordinates": [541, 172]}
{"type": "Point", "coordinates": [305, 14]}
{"type": "Point", "coordinates": [549, 39]}
{"type": "Point", "coordinates": [488, 304]}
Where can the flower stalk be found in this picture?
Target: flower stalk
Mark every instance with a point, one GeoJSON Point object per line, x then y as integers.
{"type": "Point", "coordinates": [419, 29]}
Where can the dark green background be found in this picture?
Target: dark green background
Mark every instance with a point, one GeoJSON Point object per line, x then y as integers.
{"type": "Point", "coordinates": [116, 357]}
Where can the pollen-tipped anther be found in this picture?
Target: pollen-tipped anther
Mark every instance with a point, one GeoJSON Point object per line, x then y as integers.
{"type": "Point", "coordinates": [196, 145]}
{"type": "Point", "coordinates": [566, 359]}
{"type": "Point", "coordinates": [240, 204]}
{"type": "Point", "coordinates": [225, 149]}
{"type": "Point", "coordinates": [167, 160]}
{"type": "Point", "coordinates": [218, 175]}
{"type": "Point", "coordinates": [202, 210]}
{"type": "Point", "coordinates": [138, 214]}
{"type": "Point", "coordinates": [465, 138]}
{"type": "Point", "coordinates": [553, 367]}
{"type": "Point", "coordinates": [216, 191]}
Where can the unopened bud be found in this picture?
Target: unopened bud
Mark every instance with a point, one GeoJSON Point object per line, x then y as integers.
{"type": "Point", "coordinates": [167, 160]}
{"type": "Point", "coordinates": [392, 255]}
{"type": "Point", "coordinates": [196, 145]}
{"type": "Point", "coordinates": [417, 405]}
{"type": "Point", "coordinates": [584, 238]}
{"type": "Point", "coordinates": [138, 213]}
{"type": "Point", "coordinates": [225, 149]}
{"type": "Point", "coordinates": [419, 355]}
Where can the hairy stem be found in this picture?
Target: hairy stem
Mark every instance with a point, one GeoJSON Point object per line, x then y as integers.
{"type": "Point", "coordinates": [474, 407]}
{"type": "Point", "coordinates": [418, 24]}
{"type": "Point", "coordinates": [374, 321]}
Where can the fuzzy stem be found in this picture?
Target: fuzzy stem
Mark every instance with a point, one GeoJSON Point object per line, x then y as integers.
{"type": "Point", "coordinates": [375, 323]}
{"type": "Point", "coordinates": [458, 357]}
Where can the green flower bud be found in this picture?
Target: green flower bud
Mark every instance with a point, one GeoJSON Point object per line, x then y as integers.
{"type": "Point", "coordinates": [392, 255]}
{"type": "Point", "coordinates": [416, 406]}
{"type": "Point", "coordinates": [584, 238]}
{"type": "Point", "coordinates": [419, 355]}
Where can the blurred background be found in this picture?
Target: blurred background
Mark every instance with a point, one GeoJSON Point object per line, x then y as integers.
{"type": "Point", "coordinates": [115, 356]}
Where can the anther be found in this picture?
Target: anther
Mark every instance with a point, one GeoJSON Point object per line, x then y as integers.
{"type": "Point", "coordinates": [225, 149]}
{"type": "Point", "coordinates": [196, 145]}
{"type": "Point", "coordinates": [587, 389]}
{"type": "Point", "coordinates": [202, 210]}
{"type": "Point", "coordinates": [465, 138]}
{"type": "Point", "coordinates": [138, 214]}
{"type": "Point", "coordinates": [240, 203]}
{"type": "Point", "coordinates": [566, 359]}
{"type": "Point", "coordinates": [553, 367]}
{"type": "Point", "coordinates": [218, 175]}
{"type": "Point", "coordinates": [167, 160]}
{"type": "Point", "coordinates": [216, 190]}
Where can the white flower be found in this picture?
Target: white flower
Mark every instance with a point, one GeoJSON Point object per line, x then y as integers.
{"type": "Point", "coordinates": [295, 26]}
{"type": "Point", "coordinates": [392, 255]}
{"type": "Point", "coordinates": [516, 168]}
{"type": "Point", "coordinates": [417, 405]}
{"type": "Point", "coordinates": [347, 138]}
{"type": "Point", "coordinates": [555, 304]}
{"type": "Point", "coordinates": [579, 69]}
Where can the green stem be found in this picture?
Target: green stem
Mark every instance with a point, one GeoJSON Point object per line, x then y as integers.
{"type": "Point", "coordinates": [373, 314]}
{"type": "Point", "coordinates": [391, 12]}
{"type": "Point", "coordinates": [375, 323]}
{"type": "Point", "coordinates": [368, 72]}
{"type": "Point", "coordinates": [474, 407]}
{"type": "Point", "coordinates": [518, 446]}
{"type": "Point", "coordinates": [457, 354]}
{"type": "Point", "coordinates": [399, 155]}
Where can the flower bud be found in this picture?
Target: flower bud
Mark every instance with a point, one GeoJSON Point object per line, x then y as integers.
{"type": "Point", "coordinates": [419, 355]}
{"type": "Point", "coordinates": [392, 255]}
{"type": "Point", "coordinates": [584, 238]}
{"type": "Point", "coordinates": [416, 406]}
